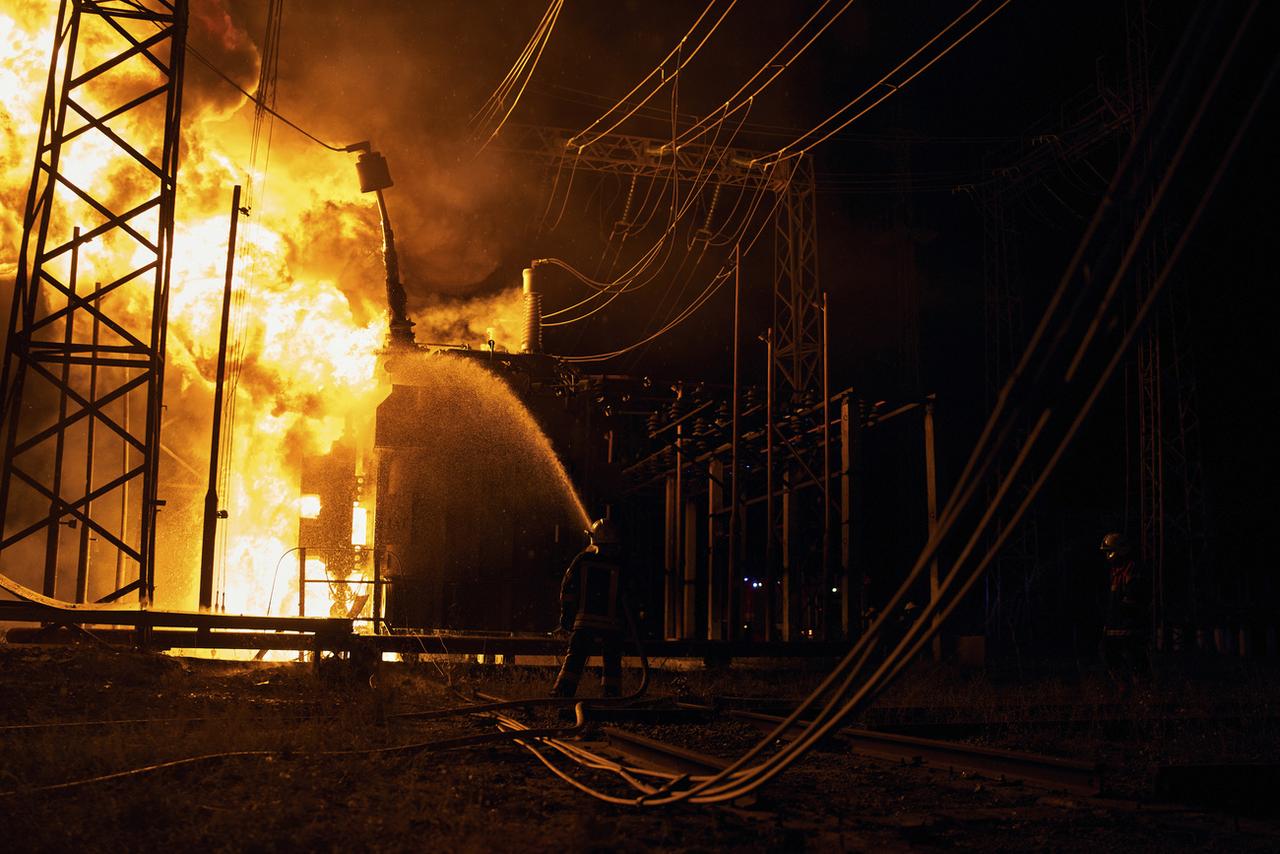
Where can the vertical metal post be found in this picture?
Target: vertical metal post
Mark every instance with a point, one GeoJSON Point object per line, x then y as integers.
{"type": "Point", "coordinates": [731, 615]}
{"type": "Point", "coordinates": [826, 598]}
{"type": "Point", "coordinates": [790, 589]}
{"type": "Point", "coordinates": [679, 512]}
{"type": "Point", "coordinates": [670, 557]}
{"type": "Point", "coordinates": [60, 442]}
{"type": "Point", "coordinates": [931, 498]}
{"type": "Point", "coordinates": [717, 585]}
{"type": "Point", "coordinates": [302, 581]}
{"type": "Point", "coordinates": [379, 554]}
{"type": "Point", "coordinates": [82, 561]}
{"type": "Point", "coordinates": [211, 495]}
{"type": "Point", "coordinates": [850, 587]}
{"type": "Point", "coordinates": [770, 550]}
{"type": "Point", "coordinates": [690, 587]}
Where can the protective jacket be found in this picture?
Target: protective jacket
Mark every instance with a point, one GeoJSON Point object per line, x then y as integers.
{"type": "Point", "coordinates": [1128, 600]}
{"type": "Point", "coordinates": [591, 593]}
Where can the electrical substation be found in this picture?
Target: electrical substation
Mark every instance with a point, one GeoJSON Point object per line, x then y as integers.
{"type": "Point", "coordinates": [844, 393]}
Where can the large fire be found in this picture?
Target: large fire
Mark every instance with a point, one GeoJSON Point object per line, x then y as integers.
{"type": "Point", "coordinates": [309, 309]}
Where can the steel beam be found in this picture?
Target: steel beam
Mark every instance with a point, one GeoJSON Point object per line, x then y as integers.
{"type": "Point", "coordinates": [57, 330]}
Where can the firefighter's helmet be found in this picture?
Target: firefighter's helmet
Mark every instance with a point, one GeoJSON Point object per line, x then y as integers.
{"type": "Point", "coordinates": [603, 533]}
{"type": "Point", "coordinates": [1115, 545]}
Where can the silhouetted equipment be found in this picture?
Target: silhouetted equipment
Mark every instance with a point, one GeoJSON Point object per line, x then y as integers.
{"type": "Point", "coordinates": [77, 356]}
{"type": "Point", "coordinates": [531, 334]}
{"type": "Point", "coordinates": [375, 176]}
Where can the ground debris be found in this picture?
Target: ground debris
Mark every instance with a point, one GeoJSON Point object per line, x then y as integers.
{"type": "Point", "coordinates": [494, 797]}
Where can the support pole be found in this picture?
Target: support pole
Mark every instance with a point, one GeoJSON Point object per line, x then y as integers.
{"type": "Point", "coordinates": [379, 554]}
{"type": "Point", "coordinates": [731, 611]}
{"type": "Point", "coordinates": [82, 562]}
{"type": "Point", "coordinates": [770, 549]}
{"type": "Point", "coordinates": [211, 496]}
{"type": "Point", "coordinates": [850, 588]}
{"type": "Point", "coordinates": [718, 585]}
{"type": "Point", "coordinates": [302, 581]}
{"type": "Point", "coordinates": [671, 557]}
{"type": "Point", "coordinates": [679, 544]}
{"type": "Point", "coordinates": [827, 596]}
{"type": "Point", "coordinates": [931, 497]}
{"type": "Point", "coordinates": [60, 444]}
{"type": "Point", "coordinates": [790, 583]}
{"type": "Point", "coordinates": [690, 586]}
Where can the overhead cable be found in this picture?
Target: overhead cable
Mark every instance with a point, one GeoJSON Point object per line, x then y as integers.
{"type": "Point", "coordinates": [771, 64]}
{"type": "Point", "coordinates": [577, 140]}
{"type": "Point", "coordinates": [795, 149]}
{"type": "Point", "coordinates": [528, 58]}
{"type": "Point", "coordinates": [260, 102]}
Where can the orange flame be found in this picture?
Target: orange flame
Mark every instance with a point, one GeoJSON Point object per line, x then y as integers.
{"type": "Point", "coordinates": [309, 280]}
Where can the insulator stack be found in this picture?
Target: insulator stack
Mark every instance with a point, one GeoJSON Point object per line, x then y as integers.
{"type": "Point", "coordinates": [531, 339]}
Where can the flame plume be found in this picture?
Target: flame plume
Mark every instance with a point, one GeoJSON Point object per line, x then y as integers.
{"type": "Point", "coordinates": [308, 278]}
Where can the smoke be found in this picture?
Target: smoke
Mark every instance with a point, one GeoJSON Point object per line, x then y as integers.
{"type": "Point", "coordinates": [393, 76]}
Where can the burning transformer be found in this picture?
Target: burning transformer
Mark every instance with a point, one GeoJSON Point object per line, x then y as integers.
{"type": "Point", "coordinates": [462, 513]}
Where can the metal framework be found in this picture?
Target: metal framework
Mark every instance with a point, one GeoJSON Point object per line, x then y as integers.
{"type": "Point", "coordinates": [645, 157]}
{"type": "Point", "coordinates": [1083, 125]}
{"type": "Point", "coordinates": [1171, 503]}
{"type": "Point", "coordinates": [84, 361]}
{"type": "Point", "coordinates": [708, 553]}
{"type": "Point", "coordinates": [800, 578]}
{"type": "Point", "coordinates": [797, 298]}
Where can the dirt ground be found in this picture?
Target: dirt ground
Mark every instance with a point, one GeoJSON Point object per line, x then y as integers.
{"type": "Point", "coordinates": [69, 713]}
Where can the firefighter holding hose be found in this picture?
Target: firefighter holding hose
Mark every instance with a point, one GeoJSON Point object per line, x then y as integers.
{"type": "Point", "coordinates": [593, 608]}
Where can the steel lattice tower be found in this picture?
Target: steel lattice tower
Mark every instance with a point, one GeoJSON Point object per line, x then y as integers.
{"type": "Point", "coordinates": [797, 300]}
{"type": "Point", "coordinates": [84, 358]}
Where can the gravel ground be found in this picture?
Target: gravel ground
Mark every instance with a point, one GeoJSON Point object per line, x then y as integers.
{"type": "Point", "coordinates": [500, 797]}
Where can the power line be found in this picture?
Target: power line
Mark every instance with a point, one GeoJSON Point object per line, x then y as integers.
{"type": "Point", "coordinates": [259, 102]}
{"type": "Point", "coordinates": [682, 61]}
{"type": "Point", "coordinates": [790, 150]}
{"type": "Point", "coordinates": [771, 62]}
{"type": "Point", "coordinates": [529, 57]}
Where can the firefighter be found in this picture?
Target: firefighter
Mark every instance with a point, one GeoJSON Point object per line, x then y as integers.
{"type": "Point", "coordinates": [592, 608]}
{"type": "Point", "coordinates": [1125, 632]}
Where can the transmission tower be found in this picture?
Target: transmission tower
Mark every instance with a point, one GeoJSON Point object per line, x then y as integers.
{"type": "Point", "coordinates": [84, 358]}
{"type": "Point", "coordinates": [1053, 147]}
{"type": "Point", "coordinates": [1171, 504]}
{"type": "Point", "coordinates": [797, 301]}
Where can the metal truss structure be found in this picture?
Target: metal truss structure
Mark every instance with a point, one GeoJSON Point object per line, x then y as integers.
{"type": "Point", "coordinates": [85, 353]}
{"type": "Point", "coordinates": [1083, 126]}
{"type": "Point", "coordinates": [796, 383]}
{"type": "Point", "coordinates": [791, 569]}
{"type": "Point", "coordinates": [1171, 503]}
{"type": "Point", "coordinates": [797, 300]}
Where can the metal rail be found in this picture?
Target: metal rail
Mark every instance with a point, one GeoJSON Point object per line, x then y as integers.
{"type": "Point", "coordinates": [508, 645]}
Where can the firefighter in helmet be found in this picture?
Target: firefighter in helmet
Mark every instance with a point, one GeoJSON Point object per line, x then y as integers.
{"type": "Point", "coordinates": [592, 608]}
{"type": "Point", "coordinates": [1126, 629]}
